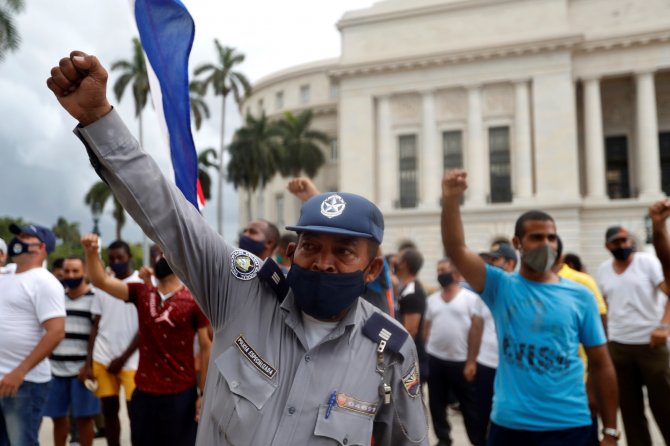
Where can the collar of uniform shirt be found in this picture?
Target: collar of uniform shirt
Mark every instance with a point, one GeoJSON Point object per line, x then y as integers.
{"type": "Point", "coordinates": [354, 317]}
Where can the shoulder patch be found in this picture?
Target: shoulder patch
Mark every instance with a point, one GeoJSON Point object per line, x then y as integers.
{"type": "Point", "coordinates": [411, 381]}
{"type": "Point", "coordinates": [271, 274]}
{"type": "Point", "coordinates": [378, 328]}
{"type": "Point", "coordinates": [243, 264]}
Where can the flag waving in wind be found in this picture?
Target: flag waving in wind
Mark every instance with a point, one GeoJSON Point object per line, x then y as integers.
{"type": "Point", "coordinates": [166, 32]}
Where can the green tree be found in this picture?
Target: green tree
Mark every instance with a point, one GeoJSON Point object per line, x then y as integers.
{"type": "Point", "coordinates": [206, 159]}
{"type": "Point", "coordinates": [68, 243]}
{"type": "Point", "coordinates": [4, 227]}
{"type": "Point", "coordinates": [134, 72]}
{"type": "Point", "coordinates": [96, 198]}
{"type": "Point", "coordinates": [9, 35]}
{"type": "Point", "coordinates": [224, 79]}
{"type": "Point", "coordinates": [253, 155]}
{"type": "Point", "coordinates": [199, 108]}
{"type": "Point", "coordinates": [299, 150]}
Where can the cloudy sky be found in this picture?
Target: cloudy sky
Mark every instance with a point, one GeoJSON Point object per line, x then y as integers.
{"type": "Point", "coordinates": [45, 172]}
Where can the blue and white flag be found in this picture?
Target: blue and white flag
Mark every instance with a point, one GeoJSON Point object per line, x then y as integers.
{"type": "Point", "coordinates": [166, 31]}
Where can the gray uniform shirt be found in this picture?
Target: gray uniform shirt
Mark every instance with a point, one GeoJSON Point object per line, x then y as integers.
{"type": "Point", "coordinates": [264, 385]}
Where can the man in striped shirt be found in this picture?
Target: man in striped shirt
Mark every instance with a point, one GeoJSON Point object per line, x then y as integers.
{"type": "Point", "coordinates": [69, 358]}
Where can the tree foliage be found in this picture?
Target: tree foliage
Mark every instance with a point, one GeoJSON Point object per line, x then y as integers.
{"type": "Point", "coordinates": [299, 151]}
{"type": "Point", "coordinates": [9, 35]}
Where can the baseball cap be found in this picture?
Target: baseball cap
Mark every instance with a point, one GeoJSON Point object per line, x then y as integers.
{"type": "Point", "coordinates": [502, 250]}
{"type": "Point", "coordinates": [341, 213]}
{"type": "Point", "coordinates": [3, 246]}
{"type": "Point", "coordinates": [45, 235]}
{"type": "Point", "coordinates": [615, 233]}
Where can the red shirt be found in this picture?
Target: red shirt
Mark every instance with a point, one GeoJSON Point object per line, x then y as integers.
{"type": "Point", "coordinates": [167, 330]}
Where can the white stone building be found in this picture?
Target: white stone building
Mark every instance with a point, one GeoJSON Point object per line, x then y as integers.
{"type": "Point", "coordinates": [559, 105]}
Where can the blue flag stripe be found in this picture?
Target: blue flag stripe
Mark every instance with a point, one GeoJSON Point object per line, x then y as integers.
{"type": "Point", "coordinates": [166, 32]}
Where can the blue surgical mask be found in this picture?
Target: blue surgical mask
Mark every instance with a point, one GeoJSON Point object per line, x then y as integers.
{"type": "Point", "coordinates": [256, 247]}
{"type": "Point", "coordinates": [72, 282]}
{"type": "Point", "coordinates": [324, 295]}
{"type": "Point", "coordinates": [120, 269]}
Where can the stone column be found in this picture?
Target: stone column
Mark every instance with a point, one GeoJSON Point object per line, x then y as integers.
{"type": "Point", "coordinates": [595, 141]}
{"type": "Point", "coordinates": [477, 166]}
{"type": "Point", "coordinates": [648, 160]}
{"type": "Point", "coordinates": [387, 155]}
{"type": "Point", "coordinates": [523, 158]}
{"type": "Point", "coordinates": [430, 172]}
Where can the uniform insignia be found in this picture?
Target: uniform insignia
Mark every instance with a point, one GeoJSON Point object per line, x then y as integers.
{"type": "Point", "coordinates": [333, 206]}
{"type": "Point", "coordinates": [350, 403]}
{"type": "Point", "coordinates": [411, 381]}
{"type": "Point", "coordinates": [244, 265]}
{"type": "Point", "coordinates": [253, 357]}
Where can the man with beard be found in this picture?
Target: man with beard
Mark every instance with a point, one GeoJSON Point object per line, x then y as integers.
{"type": "Point", "coordinates": [295, 361]}
{"type": "Point", "coordinates": [540, 395]}
{"type": "Point", "coordinates": [637, 324]}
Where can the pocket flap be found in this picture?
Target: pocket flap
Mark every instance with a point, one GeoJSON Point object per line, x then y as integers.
{"type": "Point", "coordinates": [243, 379]}
{"type": "Point", "coordinates": [345, 427]}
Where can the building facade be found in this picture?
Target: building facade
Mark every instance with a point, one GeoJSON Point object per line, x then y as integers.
{"type": "Point", "coordinates": [559, 105]}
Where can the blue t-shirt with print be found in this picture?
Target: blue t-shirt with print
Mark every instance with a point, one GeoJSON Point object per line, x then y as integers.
{"type": "Point", "coordinates": [539, 384]}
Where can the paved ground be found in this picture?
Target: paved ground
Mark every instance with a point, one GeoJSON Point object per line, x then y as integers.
{"type": "Point", "coordinates": [458, 431]}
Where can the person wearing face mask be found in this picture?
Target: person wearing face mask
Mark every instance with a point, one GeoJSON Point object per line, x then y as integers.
{"type": "Point", "coordinates": [32, 322]}
{"type": "Point", "coordinates": [540, 396]}
{"type": "Point", "coordinates": [68, 360]}
{"type": "Point", "coordinates": [113, 360]}
{"type": "Point", "coordinates": [301, 360]}
{"type": "Point", "coordinates": [164, 408]}
{"type": "Point", "coordinates": [259, 237]}
{"type": "Point", "coordinates": [633, 285]}
{"type": "Point", "coordinates": [448, 318]}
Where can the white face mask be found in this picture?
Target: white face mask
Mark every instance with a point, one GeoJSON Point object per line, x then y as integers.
{"type": "Point", "coordinates": [540, 259]}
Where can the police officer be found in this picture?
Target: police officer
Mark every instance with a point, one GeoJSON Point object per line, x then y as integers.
{"type": "Point", "coordinates": [295, 361]}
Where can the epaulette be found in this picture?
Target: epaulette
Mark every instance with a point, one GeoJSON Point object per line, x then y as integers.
{"type": "Point", "coordinates": [271, 274]}
{"type": "Point", "coordinates": [378, 328]}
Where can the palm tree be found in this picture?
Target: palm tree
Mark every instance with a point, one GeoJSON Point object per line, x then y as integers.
{"type": "Point", "coordinates": [224, 80]}
{"type": "Point", "coordinates": [206, 159]}
{"type": "Point", "coordinates": [199, 108]}
{"type": "Point", "coordinates": [299, 150]}
{"type": "Point", "coordinates": [9, 35]}
{"type": "Point", "coordinates": [135, 71]}
{"type": "Point", "coordinates": [253, 155]}
{"type": "Point", "coordinates": [66, 231]}
{"type": "Point", "coordinates": [97, 196]}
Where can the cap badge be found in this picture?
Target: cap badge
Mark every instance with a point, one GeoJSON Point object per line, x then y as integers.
{"type": "Point", "coordinates": [333, 206]}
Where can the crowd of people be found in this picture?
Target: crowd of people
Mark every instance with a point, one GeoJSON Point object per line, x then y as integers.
{"type": "Point", "coordinates": [316, 336]}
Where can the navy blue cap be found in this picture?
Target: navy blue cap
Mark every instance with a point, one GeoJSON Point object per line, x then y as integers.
{"type": "Point", "coordinates": [45, 235]}
{"type": "Point", "coordinates": [502, 250]}
{"type": "Point", "coordinates": [341, 213]}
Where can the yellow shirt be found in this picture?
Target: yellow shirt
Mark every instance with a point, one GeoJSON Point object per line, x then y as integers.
{"type": "Point", "coordinates": [576, 276]}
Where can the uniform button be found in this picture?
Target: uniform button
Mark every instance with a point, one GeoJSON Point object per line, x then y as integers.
{"type": "Point", "coordinates": [345, 441]}
{"type": "Point", "coordinates": [308, 358]}
{"type": "Point", "coordinates": [234, 384]}
{"type": "Point", "coordinates": [291, 410]}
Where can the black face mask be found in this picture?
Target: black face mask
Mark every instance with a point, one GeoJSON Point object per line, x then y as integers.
{"type": "Point", "coordinates": [162, 269]}
{"type": "Point", "coordinates": [324, 295]}
{"type": "Point", "coordinates": [256, 247]}
{"type": "Point", "coordinates": [120, 268]}
{"type": "Point", "coordinates": [622, 253]}
{"type": "Point", "coordinates": [17, 247]}
{"type": "Point", "coordinates": [445, 279]}
{"type": "Point", "coordinates": [73, 282]}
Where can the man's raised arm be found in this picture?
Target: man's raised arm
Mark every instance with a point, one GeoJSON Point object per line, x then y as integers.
{"type": "Point", "coordinates": [659, 213]}
{"type": "Point", "coordinates": [196, 253]}
{"type": "Point", "coordinates": [471, 266]}
{"type": "Point", "coordinates": [96, 272]}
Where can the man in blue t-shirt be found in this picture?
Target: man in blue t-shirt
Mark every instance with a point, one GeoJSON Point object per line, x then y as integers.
{"type": "Point", "coordinates": [540, 396]}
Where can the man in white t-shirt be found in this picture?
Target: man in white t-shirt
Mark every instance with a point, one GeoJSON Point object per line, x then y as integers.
{"type": "Point", "coordinates": [633, 285]}
{"type": "Point", "coordinates": [447, 322]}
{"type": "Point", "coordinates": [33, 311]}
{"type": "Point", "coordinates": [114, 358]}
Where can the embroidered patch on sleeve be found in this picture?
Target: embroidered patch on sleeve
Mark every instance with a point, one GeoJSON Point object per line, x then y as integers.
{"type": "Point", "coordinates": [244, 265]}
{"type": "Point", "coordinates": [411, 381]}
{"type": "Point", "coordinates": [350, 403]}
{"type": "Point", "coordinates": [253, 357]}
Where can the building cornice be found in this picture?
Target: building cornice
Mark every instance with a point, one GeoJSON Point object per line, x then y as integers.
{"type": "Point", "coordinates": [557, 43]}
{"type": "Point", "coordinates": [323, 66]}
{"type": "Point", "coordinates": [625, 41]}
{"type": "Point", "coordinates": [324, 108]}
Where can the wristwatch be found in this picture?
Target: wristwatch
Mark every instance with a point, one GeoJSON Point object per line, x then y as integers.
{"type": "Point", "coordinates": [612, 432]}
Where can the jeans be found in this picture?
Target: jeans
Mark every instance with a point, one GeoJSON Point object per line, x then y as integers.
{"type": "Point", "coordinates": [20, 415]}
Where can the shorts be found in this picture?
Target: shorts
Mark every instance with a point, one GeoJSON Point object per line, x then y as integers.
{"type": "Point", "coordinates": [66, 393]}
{"type": "Point", "coordinates": [109, 385]}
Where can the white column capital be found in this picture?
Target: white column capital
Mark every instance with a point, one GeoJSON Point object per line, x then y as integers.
{"type": "Point", "coordinates": [642, 72]}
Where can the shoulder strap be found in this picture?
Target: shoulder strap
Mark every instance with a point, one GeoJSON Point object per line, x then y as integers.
{"type": "Point", "coordinates": [379, 328]}
{"type": "Point", "coordinates": [271, 274]}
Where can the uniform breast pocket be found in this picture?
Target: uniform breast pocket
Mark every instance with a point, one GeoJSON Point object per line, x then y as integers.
{"type": "Point", "coordinates": [345, 427]}
{"type": "Point", "coordinates": [241, 393]}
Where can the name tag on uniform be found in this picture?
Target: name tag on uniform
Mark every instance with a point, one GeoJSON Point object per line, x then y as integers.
{"type": "Point", "coordinates": [350, 403]}
{"type": "Point", "coordinates": [253, 357]}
